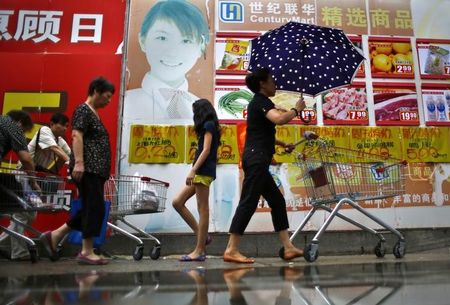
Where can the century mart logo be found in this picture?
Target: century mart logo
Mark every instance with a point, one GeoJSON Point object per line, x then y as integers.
{"type": "Point", "coordinates": [231, 11]}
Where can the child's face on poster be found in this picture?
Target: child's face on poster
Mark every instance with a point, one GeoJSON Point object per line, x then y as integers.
{"type": "Point", "coordinates": [170, 54]}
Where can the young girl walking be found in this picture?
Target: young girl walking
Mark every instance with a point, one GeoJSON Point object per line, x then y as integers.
{"type": "Point", "coordinates": [200, 177]}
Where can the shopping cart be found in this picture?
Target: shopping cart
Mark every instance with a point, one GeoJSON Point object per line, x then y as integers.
{"type": "Point", "coordinates": [132, 195]}
{"type": "Point", "coordinates": [19, 193]}
{"type": "Point", "coordinates": [377, 283]}
{"type": "Point", "coordinates": [334, 176]}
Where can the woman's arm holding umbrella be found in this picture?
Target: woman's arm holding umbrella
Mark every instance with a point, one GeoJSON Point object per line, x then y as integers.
{"type": "Point", "coordinates": [280, 118]}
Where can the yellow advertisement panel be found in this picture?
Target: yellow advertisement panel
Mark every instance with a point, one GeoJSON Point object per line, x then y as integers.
{"type": "Point", "coordinates": [191, 144]}
{"type": "Point", "coordinates": [35, 102]}
{"type": "Point", "coordinates": [428, 144]}
{"type": "Point", "coordinates": [157, 144]}
{"type": "Point", "coordinates": [286, 134]}
{"type": "Point", "coordinates": [382, 141]}
{"type": "Point", "coordinates": [228, 152]}
{"type": "Point", "coordinates": [333, 136]}
{"type": "Point", "coordinates": [336, 136]}
{"type": "Point", "coordinates": [294, 175]}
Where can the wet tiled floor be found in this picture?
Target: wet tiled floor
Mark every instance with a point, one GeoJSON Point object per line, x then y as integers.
{"type": "Point", "coordinates": [341, 280]}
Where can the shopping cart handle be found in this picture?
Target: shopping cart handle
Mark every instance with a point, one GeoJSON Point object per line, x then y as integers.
{"type": "Point", "coordinates": [148, 179]}
{"type": "Point", "coordinates": [310, 135]}
{"type": "Point", "coordinates": [307, 136]}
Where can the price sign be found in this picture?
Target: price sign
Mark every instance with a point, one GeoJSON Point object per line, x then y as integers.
{"type": "Point", "coordinates": [428, 144]}
{"type": "Point", "coordinates": [409, 116]}
{"type": "Point", "coordinates": [228, 153]}
{"type": "Point", "coordinates": [308, 115]}
{"type": "Point", "coordinates": [157, 144]}
{"type": "Point", "coordinates": [406, 69]}
{"type": "Point", "coordinates": [357, 115]}
{"type": "Point", "coordinates": [421, 154]}
{"type": "Point", "coordinates": [379, 151]}
{"type": "Point", "coordinates": [382, 141]}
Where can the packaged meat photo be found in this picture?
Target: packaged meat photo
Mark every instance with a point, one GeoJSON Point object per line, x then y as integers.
{"type": "Point", "coordinates": [347, 105]}
{"type": "Point", "coordinates": [395, 106]}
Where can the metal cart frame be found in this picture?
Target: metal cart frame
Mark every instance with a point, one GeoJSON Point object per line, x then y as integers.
{"type": "Point", "coordinates": [134, 195]}
{"type": "Point", "coordinates": [338, 176]}
{"type": "Point", "coordinates": [17, 196]}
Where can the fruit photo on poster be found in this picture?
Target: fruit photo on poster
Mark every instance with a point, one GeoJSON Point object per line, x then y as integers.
{"type": "Point", "coordinates": [391, 58]}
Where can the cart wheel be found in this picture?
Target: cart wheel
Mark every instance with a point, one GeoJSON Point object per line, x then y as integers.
{"type": "Point", "coordinates": [156, 252]}
{"type": "Point", "coordinates": [399, 249]}
{"type": "Point", "coordinates": [138, 253]}
{"type": "Point", "coordinates": [380, 250]}
{"type": "Point", "coordinates": [311, 253]}
{"type": "Point", "coordinates": [281, 253]}
{"type": "Point", "coordinates": [33, 255]}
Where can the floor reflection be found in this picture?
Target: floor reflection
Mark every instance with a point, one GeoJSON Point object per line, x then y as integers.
{"type": "Point", "coordinates": [380, 283]}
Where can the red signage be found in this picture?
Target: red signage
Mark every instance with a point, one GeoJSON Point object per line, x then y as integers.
{"type": "Point", "coordinates": [51, 50]}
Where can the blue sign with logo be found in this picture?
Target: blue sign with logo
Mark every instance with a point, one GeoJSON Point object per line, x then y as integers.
{"type": "Point", "coordinates": [231, 11]}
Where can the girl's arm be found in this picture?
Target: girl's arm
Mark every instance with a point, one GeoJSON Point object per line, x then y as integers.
{"type": "Point", "coordinates": [201, 158]}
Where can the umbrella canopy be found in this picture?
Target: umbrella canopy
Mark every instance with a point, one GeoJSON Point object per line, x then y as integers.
{"type": "Point", "coordinates": [306, 58]}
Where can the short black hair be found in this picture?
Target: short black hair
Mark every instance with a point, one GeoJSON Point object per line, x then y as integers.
{"type": "Point", "coordinates": [253, 79]}
{"type": "Point", "coordinates": [101, 85]}
{"type": "Point", "coordinates": [23, 117]}
{"type": "Point", "coordinates": [59, 118]}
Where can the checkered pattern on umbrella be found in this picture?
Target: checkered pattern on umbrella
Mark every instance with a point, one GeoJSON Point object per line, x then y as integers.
{"type": "Point", "coordinates": [306, 58]}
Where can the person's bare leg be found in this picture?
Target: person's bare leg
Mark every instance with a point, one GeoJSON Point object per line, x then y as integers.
{"type": "Point", "coordinates": [290, 251]}
{"type": "Point", "coordinates": [232, 253]}
{"type": "Point", "coordinates": [179, 204]}
{"type": "Point", "coordinates": [58, 234]}
{"type": "Point", "coordinates": [202, 195]}
{"type": "Point", "coordinates": [85, 283]}
{"type": "Point", "coordinates": [290, 275]}
{"type": "Point", "coordinates": [201, 295]}
{"type": "Point", "coordinates": [87, 249]}
{"type": "Point", "coordinates": [232, 278]}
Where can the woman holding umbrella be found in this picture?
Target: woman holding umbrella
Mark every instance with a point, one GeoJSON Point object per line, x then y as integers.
{"type": "Point", "coordinates": [262, 116]}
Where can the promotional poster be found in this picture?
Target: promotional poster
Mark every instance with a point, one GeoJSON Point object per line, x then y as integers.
{"type": "Point", "coordinates": [167, 54]}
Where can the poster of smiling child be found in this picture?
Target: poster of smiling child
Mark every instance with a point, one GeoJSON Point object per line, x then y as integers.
{"type": "Point", "coordinates": [169, 55]}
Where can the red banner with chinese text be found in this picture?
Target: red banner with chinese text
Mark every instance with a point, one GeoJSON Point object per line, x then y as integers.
{"type": "Point", "coordinates": [50, 51]}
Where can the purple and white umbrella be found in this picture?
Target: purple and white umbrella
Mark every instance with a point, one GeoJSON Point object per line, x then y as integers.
{"type": "Point", "coordinates": [306, 58]}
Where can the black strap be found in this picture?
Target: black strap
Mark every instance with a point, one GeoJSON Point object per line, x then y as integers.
{"type": "Point", "coordinates": [37, 141]}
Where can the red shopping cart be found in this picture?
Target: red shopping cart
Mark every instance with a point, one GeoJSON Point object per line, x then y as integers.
{"type": "Point", "coordinates": [133, 195]}
{"type": "Point", "coordinates": [334, 176]}
{"type": "Point", "coordinates": [30, 192]}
